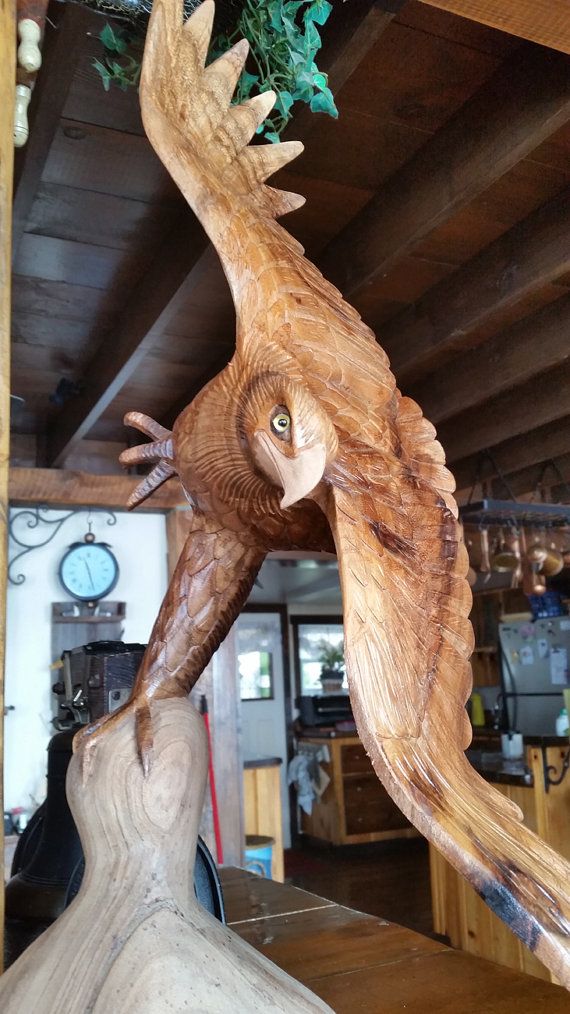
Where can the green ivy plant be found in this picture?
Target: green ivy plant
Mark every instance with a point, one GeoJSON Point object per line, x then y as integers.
{"type": "Point", "coordinates": [284, 40]}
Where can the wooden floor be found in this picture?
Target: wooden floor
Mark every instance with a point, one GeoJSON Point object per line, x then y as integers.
{"type": "Point", "coordinates": [388, 879]}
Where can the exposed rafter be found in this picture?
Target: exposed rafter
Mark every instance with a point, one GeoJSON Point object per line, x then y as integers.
{"type": "Point", "coordinates": [533, 253]}
{"type": "Point", "coordinates": [536, 403]}
{"type": "Point", "coordinates": [56, 487]}
{"type": "Point", "coordinates": [525, 101]}
{"type": "Point", "coordinates": [544, 21]}
{"type": "Point", "coordinates": [518, 453]}
{"type": "Point", "coordinates": [510, 358]}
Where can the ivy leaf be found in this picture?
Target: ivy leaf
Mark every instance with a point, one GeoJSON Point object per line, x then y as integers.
{"type": "Point", "coordinates": [284, 102]}
{"type": "Point", "coordinates": [321, 103]}
{"type": "Point", "coordinates": [320, 81]}
{"type": "Point", "coordinates": [105, 76]}
{"type": "Point", "coordinates": [318, 11]}
{"type": "Point", "coordinates": [273, 137]}
{"type": "Point", "coordinates": [312, 38]}
{"type": "Point", "coordinates": [112, 41]}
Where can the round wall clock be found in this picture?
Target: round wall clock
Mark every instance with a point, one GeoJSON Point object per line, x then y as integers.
{"type": "Point", "coordinates": [89, 570]}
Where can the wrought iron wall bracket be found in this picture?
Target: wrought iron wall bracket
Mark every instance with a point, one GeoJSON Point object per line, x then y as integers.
{"type": "Point", "coordinates": [34, 518]}
{"type": "Point", "coordinates": [551, 777]}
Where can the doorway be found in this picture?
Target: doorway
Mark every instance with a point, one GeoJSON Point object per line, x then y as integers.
{"type": "Point", "coordinates": [264, 692]}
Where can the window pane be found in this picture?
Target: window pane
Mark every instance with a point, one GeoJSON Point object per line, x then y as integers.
{"type": "Point", "coordinates": [314, 638]}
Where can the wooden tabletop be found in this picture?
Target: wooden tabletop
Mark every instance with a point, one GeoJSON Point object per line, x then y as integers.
{"type": "Point", "coordinates": [359, 963]}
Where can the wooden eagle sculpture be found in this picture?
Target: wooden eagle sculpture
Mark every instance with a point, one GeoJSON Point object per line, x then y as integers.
{"type": "Point", "coordinates": [304, 441]}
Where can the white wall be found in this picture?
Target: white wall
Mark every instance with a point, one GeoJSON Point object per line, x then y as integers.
{"type": "Point", "coordinates": [139, 543]}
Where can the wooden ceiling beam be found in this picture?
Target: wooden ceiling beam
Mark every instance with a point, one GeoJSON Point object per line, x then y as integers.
{"type": "Point", "coordinates": [159, 295]}
{"type": "Point", "coordinates": [539, 401]}
{"type": "Point", "coordinates": [163, 291]}
{"type": "Point", "coordinates": [529, 347]}
{"type": "Point", "coordinates": [54, 487]}
{"type": "Point", "coordinates": [546, 474]}
{"type": "Point", "coordinates": [516, 454]}
{"type": "Point", "coordinates": [544, 21]}
{"type": "Point", "coordinates": [532, 254]}
{"type": "Point", "coordinates": [522, 104]}
{"type": "Point", "coordinates": [61, 49]}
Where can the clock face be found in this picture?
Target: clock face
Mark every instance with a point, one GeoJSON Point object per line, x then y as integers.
{"type": "Point", "coordinates": [88, 571]}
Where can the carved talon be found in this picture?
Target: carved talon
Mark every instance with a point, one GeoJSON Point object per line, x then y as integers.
{"type": "Point", "coordinates": [87, 740]}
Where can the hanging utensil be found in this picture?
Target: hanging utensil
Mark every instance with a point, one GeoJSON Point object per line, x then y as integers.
{"type": "Point", "coordinates": [505, 558]}
{"type": "Point", "coordinates": [485, 565]}
{"type": "Point", "coordinates": [553, 562]}
{"type": "Point", "coordinates": [532, 582]}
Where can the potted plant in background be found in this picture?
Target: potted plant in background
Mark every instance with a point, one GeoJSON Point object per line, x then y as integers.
{"type": "Point", "coordinates": [331, 658]}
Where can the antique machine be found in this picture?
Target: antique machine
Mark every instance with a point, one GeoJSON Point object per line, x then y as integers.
{"type": "Point", "coordinates": [302, 441]}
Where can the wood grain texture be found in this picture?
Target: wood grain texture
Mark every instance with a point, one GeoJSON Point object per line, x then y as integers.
{"type": "Point", "coordinates": [525, 101]}
{"type": "Point", "coordinates": [60, 51]}
{"type": "Point", "coordinates": [157, 948]}
{"type": "Point", "coordinates": [302, 436]}
{"type": "Point", "coordinates": [522, 261]}
{"type": "Point", "coordinates": [364, 963]}
{"type": "Point", "coordinates": [544, 21]}
{"type": "Point", "coordinates": [57, 487]}
{"type": "Point", "coordinates": [518, 454]}
{"type": "Point", "coordinates": [535, 403]}
{"type": "Point", "coordinates": [531, 346]}
{"type": "Point", "coordinates": [262, 811]}
{"type": "Point", "coordinates": [7, 85]}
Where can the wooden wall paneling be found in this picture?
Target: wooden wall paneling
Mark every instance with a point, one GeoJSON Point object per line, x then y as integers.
{"type": "Point", "coordinates": [544, 21]}
{"type": "Point", "coordinates": [149, 308]}
{"type": "Point", "coordinates": [7, 86]}
{"type": "Point", "coordinates": [529, 347]}
{"type": "Point", "coordinates": [535, 403]}
{"type": "Point", "coordinates": [526, 99]}
{"type": "Point", "coordinates": [107, 161]}
{"type": "Point", "coordinates": [57, 487]}
{"type": "Point", "coordinates": [88, 102]}
{"type": "Point", "coordinates": [522, 261]}
{"type": "Point", "coordinates": [87, 216]}
{"type": "Point", "coordinates": [59, 260]}
{"type": "Point", "coordinates": [517, 454]}
{"type": "Point", "coordinates": [60, 51]}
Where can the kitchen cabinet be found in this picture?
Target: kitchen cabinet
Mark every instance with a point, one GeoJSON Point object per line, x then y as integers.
{"type": "Point", "coordinates": [458, 912]}
{"type": "Point", "coordinates": [355, 807]}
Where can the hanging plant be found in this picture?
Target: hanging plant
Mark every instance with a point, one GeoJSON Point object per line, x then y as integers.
{"type": "Point", "coordinates": [284, 40]}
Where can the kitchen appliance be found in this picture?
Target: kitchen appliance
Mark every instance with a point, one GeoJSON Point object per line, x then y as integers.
{"type": "Point", "coordinates": [325, 709]}
{"type": "Point", "coordinates": [535, 670]}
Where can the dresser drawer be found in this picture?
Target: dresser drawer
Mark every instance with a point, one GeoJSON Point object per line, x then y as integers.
{"type": "Point", "coordinates": [368, 807]}
{"type": "Point", "coordinates": [354, 759]}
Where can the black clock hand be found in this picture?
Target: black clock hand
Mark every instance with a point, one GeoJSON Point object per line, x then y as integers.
{"type": "Point", "coordinates": [89, 572]}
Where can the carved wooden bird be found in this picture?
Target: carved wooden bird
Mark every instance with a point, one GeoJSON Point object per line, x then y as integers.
{"type": "Point", "coordinates": [305, 441]}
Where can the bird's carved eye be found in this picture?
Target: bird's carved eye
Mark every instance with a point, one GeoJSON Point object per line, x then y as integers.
{"type": "Point", "coordinates": [281, 422]}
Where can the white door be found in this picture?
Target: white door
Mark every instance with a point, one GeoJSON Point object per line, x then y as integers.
{"type": "Point", "coordinates": [262, 682]}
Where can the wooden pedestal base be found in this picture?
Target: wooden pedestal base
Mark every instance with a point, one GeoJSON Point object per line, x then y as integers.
{"type": "Point", "coordinates": [135, 938]}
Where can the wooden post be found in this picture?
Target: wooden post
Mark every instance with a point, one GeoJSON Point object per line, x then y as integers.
{"type": "Point", "coordinates": [7, 86]}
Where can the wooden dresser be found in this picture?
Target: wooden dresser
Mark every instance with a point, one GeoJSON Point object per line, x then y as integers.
{"type": "Point", "coordinates": [354, 807]}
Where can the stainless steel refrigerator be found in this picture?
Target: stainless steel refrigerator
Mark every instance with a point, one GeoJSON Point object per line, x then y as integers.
{"type": "Point", "coordinates": [535, 664]}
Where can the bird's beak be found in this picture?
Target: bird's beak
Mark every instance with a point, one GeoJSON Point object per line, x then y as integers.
{"type": "Point", "coordinates": [298, 475]}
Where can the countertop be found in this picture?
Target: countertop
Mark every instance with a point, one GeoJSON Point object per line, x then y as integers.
{"type": "Point", "coordinates": [494, 768]}
{"type": "Point", "coordinates": [358, 962]}
{"type": "Point", "coordinates": [262, 762]}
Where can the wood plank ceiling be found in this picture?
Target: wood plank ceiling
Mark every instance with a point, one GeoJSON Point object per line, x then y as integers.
{"type": "Point", "coordinates": [438, 202]}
